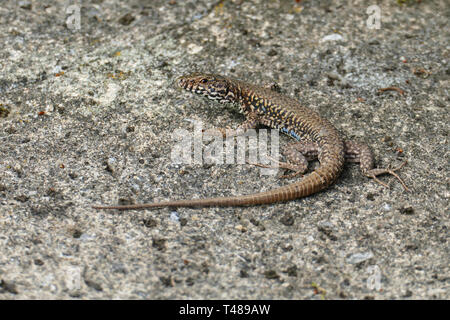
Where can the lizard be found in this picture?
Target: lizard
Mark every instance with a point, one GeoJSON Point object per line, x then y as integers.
{"type": "Point", "coordinates": [316, 138]}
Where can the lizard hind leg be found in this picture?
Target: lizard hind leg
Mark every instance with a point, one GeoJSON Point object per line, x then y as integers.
{"type": "Point", "coordinates": [360, 153]}
{"type": "Point", "coordinates": [297, 154]}
{"type": "Point", "coordinates": [373, 173]}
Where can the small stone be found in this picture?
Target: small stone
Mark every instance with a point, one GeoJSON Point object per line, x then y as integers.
{"type": "Point", "coordinates": [287, 219]}
{"type": "Point", "coordinates": [407, 210]}
{"type": "Point", "coordinates": [159, 244]}
{"type": "Point", "coordinates": [93, 284]}
{"type": "Point", "coordinates": [271, 274]}
{"type": "Point", "coordinates": [292, 271]}
{"type": "Point", "coordinates": [127, 19]}
{"type": "Point", "coordinates": [243, 274]}
{"type": "Point", "coordinates": [8, 286]}
{"type": "Point", "coordinates": [359, 257]}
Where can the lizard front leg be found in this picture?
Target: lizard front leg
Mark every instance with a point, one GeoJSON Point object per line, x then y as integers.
{"type": "Point", "coordinates": [251, 122]}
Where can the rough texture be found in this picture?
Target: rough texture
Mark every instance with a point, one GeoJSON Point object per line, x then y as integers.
{"type": "Point", "coordinates": [86, 116]}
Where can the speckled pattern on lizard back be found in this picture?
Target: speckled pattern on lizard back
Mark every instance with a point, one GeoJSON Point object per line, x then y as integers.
{"type": "Point", "coordinates": [262, 106]}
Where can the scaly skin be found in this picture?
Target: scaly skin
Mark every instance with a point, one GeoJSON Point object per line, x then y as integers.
{"type": "Point", "coordinates": [263, 106]}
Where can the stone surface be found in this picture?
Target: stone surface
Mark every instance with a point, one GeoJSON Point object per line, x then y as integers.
{"type": "Point", "coordinates": [87, 116]}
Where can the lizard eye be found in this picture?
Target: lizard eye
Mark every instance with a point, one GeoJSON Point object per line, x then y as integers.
{"type": "Point", "coordinates": [204, 80]}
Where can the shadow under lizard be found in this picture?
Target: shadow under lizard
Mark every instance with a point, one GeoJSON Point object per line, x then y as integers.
{"type": "Point", "coordinates": [316, 138]}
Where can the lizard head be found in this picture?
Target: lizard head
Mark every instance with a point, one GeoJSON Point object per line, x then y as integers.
{"type": "Point", "coordinates": [214, 87]}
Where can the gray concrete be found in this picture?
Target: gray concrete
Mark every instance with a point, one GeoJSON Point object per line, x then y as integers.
{"type": "Point", "coordinates": [87, 116]}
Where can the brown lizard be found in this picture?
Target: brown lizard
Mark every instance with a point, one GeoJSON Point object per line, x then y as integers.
{"type": "Point", "coordinates": [316, 138]}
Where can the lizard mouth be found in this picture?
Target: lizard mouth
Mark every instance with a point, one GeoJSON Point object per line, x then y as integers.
{"type": "Point", "coordinates": [188, 84]}
{"type": "Point", "coordinates": [181, 82]}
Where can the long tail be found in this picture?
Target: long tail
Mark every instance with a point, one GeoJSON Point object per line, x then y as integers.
{"type": "Point", "coordinates": [311, 183]}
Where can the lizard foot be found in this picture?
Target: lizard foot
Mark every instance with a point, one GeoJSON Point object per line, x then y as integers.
{"type": "Point", "coordinates": [373, 173]}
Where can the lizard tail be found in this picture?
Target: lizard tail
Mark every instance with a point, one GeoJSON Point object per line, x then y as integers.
{"type": "Point", "coordinates": [311, 183]}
